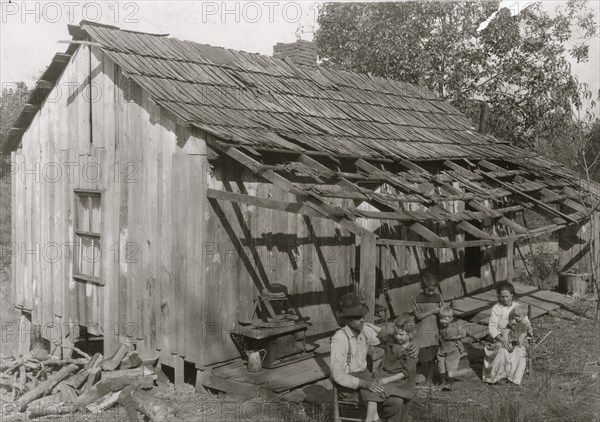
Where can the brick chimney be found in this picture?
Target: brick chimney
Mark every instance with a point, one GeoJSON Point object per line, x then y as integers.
{"type": "Point", "coordinates": [484, 118]}
{"type": "Point", "coordinates": [301, 52]}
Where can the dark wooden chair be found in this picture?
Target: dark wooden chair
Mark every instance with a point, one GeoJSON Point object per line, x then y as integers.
{"type": "Point", "coordinates": [340, 406]}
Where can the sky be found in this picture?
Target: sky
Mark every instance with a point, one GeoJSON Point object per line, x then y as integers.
{"type": "Point", "coordinates": [29, 30]}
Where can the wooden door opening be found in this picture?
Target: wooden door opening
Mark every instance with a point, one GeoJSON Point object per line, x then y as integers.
{"type": "Point", "coordinates": [473, 256]}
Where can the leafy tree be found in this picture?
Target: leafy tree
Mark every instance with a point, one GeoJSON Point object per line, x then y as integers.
{"type": "Point", "coordinates": [12, 99]}
{"type": "Point", "coordinates": [592, 152]}
{"type": "Point", "coordinates": [519, 65]}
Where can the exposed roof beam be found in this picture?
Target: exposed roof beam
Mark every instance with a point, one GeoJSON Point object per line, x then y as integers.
{"type": "Point", "coordinates": [78, 42]}
{"type": "Point", "coordinates": [389, 177]}
{"type": "Point", "coordinates": [542, 206]}
{"type": "Point", "coordinates": [395, 214]}
{"type": "Point", "coordinates": [469, 243]}
{"type": "Point", "coordinates": [272, 204]}
{"type": "Point", "coordinates": [471, 229]}
{"type": "Point", "coordinates": [336, 214]}
{"type": "Point", "coordinates": [511, 224]}
{"type": "Point", "coordinates": [575, 205]}
{"type": "Point", "coordinates": [426, 233]}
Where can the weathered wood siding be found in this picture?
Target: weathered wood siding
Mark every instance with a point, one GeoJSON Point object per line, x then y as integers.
{"type": "Point", "coordinates": [245, 248]}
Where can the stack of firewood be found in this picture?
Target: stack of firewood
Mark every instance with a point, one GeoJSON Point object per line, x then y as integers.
{"type": "Point", "coordinates": [39, 384]}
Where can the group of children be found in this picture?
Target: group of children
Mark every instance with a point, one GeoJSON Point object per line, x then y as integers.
{"type": "Point", "coordinates": [439, 339]}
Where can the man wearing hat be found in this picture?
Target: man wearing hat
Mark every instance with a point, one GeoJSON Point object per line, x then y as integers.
{"type": "Point", "coordinates": [349, 349]}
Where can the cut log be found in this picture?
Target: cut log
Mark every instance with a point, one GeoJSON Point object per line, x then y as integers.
{"type": "Point", "coordinates": [38, 406]}
{"type": "Point", "coordinates": [154, 408]}
{"type": "Point", "coordinates": [130, 406]}
{"type": "Point", "coordinates": [95, 361]}
{"type": "Point", "coordinates": [96, 392]}
{"type": "Point", "coordinates": [59, 362]}
{"type": "Point", "coordinates": [128, 374]}
{"type": "Point", "coordinates": [22, 376]}
{"type": "Point", "coordinates": [92, 378]}
{"type": "Point", "coordinates": [103, 403]}
{"type": "Point", "coordinates": [112, 363]}
{"type": "Point", "coordinates": [150, 363]}
{"type": "Point", "coordinates": [67, 393]}
{"type": "Point", "coordinates": [162, 377]}
{"type": "Point", "coordinates": [132, 360]}
{"type": "Point", "coordinates": [77, 380]}
{"type": "Point", "coordinates": [59, 409]}
{"type": "Point", "coordinates": [45, 386]}
{"type": "Point", "coordinates": [141, 377]}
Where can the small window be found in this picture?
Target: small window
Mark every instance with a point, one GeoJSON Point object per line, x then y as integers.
{"type": "Point", "coordinates": [87, 252]}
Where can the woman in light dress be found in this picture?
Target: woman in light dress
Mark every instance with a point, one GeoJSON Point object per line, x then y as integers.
{"type": "Point", "coordinates": [504, 360]}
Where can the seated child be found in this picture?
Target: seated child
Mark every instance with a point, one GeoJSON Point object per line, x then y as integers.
{"type": "Point", "coordinates": [519, 327]}
{"type": "Point", "coordinates": [426, 307]}
{"type": "Point", "coordinates": [397, 370]}
{"type": "Point", "coordinates": [451, 349]}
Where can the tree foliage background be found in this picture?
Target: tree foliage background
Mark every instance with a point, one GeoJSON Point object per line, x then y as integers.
{"type": "Point", "coordinates": [12, 100]}
{"type": "Point", "coordinates": [519, 65]}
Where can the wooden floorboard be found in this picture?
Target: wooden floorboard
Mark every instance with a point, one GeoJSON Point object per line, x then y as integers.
{"type": "Point", "coordinates": [477, 308]}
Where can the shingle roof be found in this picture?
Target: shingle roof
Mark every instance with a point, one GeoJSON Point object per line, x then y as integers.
{"type": "Point", "coordinates": [263, 102]}
{"type": "Point", "coordinates": [250, 100]}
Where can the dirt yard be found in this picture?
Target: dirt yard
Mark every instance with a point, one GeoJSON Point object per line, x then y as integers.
{"type": "Point", "coordinates": [565, 387]}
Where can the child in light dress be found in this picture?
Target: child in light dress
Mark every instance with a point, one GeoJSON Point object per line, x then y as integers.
{"type": "Point", "coordinates": [519, 327]}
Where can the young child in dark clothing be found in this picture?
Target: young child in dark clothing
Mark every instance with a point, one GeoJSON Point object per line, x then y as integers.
{"type": "Point", "coordinates": [427, 305]}
{"type": "Point", "coordinates": [451, 349]}
{"type": "Point", "coordinates": [397, 370]}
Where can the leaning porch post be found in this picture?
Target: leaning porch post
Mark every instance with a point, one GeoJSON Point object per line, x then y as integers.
{"type": "Point", "coordinates": [510, 262]}
{"type": "Point", "coordinates": [366, 286]}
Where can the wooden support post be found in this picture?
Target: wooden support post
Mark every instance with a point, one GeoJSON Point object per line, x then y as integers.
{"type": "Point", "coordinates": [200, 375]}
{"type": "Point", "coordinates": [530, 351]}
{"type": "Point", "coordinates": [178, 367]}
{"type": "Point", "coordinates": [510, 262]}
{"type": "Point", "coordinates": [366, 287]}
{"type": "Point", "coordinates": [25, 334]}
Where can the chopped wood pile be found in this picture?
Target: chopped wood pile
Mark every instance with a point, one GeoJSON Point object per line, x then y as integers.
{"type": "Point", "coordinates": [39, 384]}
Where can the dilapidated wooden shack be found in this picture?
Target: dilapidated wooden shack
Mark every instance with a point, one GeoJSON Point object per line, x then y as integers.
{"type": "Point", "coordinates": [158, 184]}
